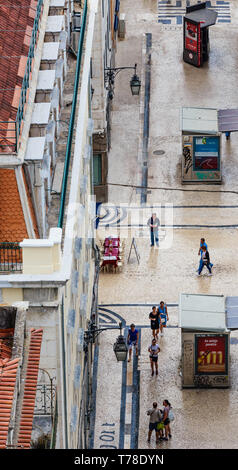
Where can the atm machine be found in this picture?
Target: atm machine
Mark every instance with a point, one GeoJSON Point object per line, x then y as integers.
{"type": "Point", "coordinates": [196, 22]}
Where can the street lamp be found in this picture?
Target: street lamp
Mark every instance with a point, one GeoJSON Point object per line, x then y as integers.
{"type": "Point", "coordinates": [119, 347]}
{"type": "Point", "coordinates": [110, 74]}
{"type": "Point", "coordinates": [135, 84]}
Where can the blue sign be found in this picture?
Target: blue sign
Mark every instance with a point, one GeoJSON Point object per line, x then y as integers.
{"type": "Point", "coordinates": [206, 153]}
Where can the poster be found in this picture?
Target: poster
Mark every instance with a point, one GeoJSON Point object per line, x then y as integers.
{"type": "Point", "coordinates": [206, 153]}
{"type": "Point", "coordinates": [211, 354]}
{"type": "Point", "coordinates": [192, 42]}
{"type": "Point", "coordinates": [187, 157]}
{"type": "Point", "coordinates": [191, 36]}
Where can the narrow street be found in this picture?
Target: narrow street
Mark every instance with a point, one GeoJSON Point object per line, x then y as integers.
{"type": "Point", "coordinates": [187, 213]}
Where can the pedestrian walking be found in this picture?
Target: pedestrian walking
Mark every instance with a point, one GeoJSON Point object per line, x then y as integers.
{"type": "Point", "coordinates": [132, 339]}
{"type": "Point", "coordinates": [154, 350]}
{"type": "Point", "coordinates": [205, 262]}
{"type": "Point", "coordinates": [163, 317]}
{"type": "Point", "coordinates": [154, 223]}
{"type": "Point", "coordinates": [166, 420]}
{"type": "Point", "coordinates": [202, 243]}
{"type": "Point", "coordinates": [155, 418]}
{"type": "Point", "coordinates": [154, 321]}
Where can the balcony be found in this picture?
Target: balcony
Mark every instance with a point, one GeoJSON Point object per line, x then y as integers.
{"type": "Point", "coordinates": [10, 257]}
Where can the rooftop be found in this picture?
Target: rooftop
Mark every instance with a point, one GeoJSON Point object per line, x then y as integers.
{"type": "Point", "coordinates": [16, 20]}
{"type": "Point", "coordinates": [17, 409]}
{"type": "Point", "coordinates": [12, 221]}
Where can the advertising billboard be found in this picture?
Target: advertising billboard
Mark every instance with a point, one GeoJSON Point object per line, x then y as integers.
{"type": "Point", "coordinates": [211, 354]}
{"type": "Point", "coordinates": [192, 42]}
{"type": "Point", "coordinates": [191, 36]}
{"type": "Point", "coordinates": [206, 153]}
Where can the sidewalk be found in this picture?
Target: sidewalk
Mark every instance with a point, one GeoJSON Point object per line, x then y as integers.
{"type": "Point", "coordinates": [203, 418]}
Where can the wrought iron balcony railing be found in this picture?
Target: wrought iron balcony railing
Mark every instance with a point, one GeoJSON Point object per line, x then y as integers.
{"type": "Point", "coordinates": [10, 257]}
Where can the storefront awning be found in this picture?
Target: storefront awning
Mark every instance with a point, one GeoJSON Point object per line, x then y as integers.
{"type": "Point", "coordinates": [227, 120]}
{"type": "Point", "coordinates": [232, 313]}
{"type": "Point", "coordinates": [200, 312]}
{"type": "Point", "coordinates": [199, 120]}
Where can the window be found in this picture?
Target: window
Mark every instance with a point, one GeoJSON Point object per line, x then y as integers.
{"type": "Point", "coordinates": [97, 169]}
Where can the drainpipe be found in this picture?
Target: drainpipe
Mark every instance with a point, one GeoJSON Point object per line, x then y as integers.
{"type": "Point", "coordinates": [63, 379]}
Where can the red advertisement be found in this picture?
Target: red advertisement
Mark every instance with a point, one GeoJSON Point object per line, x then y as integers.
{"type": "Point", "coordinates": [202, 163]}
{"type": "Point", "coordinates": [199, 44]}
{"type": "Point", "coordinates": [191, 36]}
{"type": "Point", "coordinates": [211, 354]}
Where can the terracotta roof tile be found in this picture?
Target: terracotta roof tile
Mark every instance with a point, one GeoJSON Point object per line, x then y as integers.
{"type": "Point", "coordinates": [16, 22]}
{"type": "Point", "coordinates": [6, 338]}
{"type": "Point", "coordinates": [8, 372]}
{"type": "Point", "coordinates": [24, 436]}
{"type": "Point", "coordinates": [12, 222]}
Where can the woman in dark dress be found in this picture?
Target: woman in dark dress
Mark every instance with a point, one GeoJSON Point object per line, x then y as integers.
{"type": "Point", "coordinates": [154, 322]}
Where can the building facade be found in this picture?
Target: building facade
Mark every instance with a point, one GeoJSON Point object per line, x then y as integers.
{"type": "Point", "coordinates": [103, 57]}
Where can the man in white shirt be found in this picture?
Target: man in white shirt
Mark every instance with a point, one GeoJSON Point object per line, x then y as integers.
{"type": "Point", "coordinates": [154, 350]}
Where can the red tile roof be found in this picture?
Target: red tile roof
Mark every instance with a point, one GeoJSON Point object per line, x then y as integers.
{"type": "Point", "coordinates": [24, 436]}
{"type": "Point", "coordinates": [6, 339]}
{"type": "Point", "coordinates": [8, 372]}
{"type": "Point", "coordinates": [15, 27]}
{"type": "Point", "coordinates": [12, 221]}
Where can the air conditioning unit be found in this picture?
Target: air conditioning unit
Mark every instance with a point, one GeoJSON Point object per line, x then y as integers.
{"type": "Point", "coordinates": [122, 26]}
{"type": "Point", "coordinates": [75, 40]}
{"type": "Point", "coordinates": [76, 21]}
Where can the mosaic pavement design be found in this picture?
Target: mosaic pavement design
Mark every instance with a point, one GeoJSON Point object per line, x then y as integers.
{"type": "Point", "coordinates": [171, 12]}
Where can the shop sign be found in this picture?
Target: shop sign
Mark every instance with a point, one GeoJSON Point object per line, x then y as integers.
{"type": "Point", "coordinates": [211, 354]}
{"type": "Point", "coordinates": [206, 151]}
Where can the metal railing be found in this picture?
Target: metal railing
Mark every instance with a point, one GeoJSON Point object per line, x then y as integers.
{"type": "Point", "coordinates": [10, 257]}
{"type": "Point", "coordinates": [72, 117]}
{"type": "Point", "coordinates": [55, 425]}
{"type": "Point", "coordinates": [10, 130]}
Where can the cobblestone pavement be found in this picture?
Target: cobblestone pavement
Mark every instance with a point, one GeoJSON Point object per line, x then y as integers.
{"type": "Point", "coordinates": [203, 418]}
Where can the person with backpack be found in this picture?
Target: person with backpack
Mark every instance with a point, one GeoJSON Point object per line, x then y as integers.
{"type": "Point", "coordinates": [154, 322]}
{"type": "Point", "coordinates": [205, 262]}
{"type": "Point", "coordinates": [167, 417]}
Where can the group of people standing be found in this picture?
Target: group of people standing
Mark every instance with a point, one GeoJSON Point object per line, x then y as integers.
{"type": "Point", "coordinates": [160, 421]}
